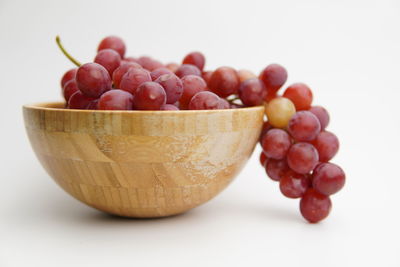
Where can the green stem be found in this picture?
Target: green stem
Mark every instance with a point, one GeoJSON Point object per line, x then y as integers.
{"type": "Point", "coordinates": [233, 99]}
{"type": "Point", "coordinates": [73, 60]}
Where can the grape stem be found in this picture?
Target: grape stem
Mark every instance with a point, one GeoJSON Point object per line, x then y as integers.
{"type": "Point", "coordinates": [73, 60]}
{"type": "Point", "coordinates": [233, 99]}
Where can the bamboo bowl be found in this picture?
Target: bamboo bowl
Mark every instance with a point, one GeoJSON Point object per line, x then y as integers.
{"type": "Point", "coordinates": [142, 163]}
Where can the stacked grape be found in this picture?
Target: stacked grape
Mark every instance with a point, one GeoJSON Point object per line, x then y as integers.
{"type": "Point", "coordinates": [296, 147]}
{"type": "Point", "coordinates": [115, 82]}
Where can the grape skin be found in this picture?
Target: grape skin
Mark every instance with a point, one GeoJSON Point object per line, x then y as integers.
{"type": "Point", "coordinates": [275, 169]}
{"type": "Point", "coordinates": [224, 81]}
{"type": "Point", "coordinates": [113, 42]}
{"type": "Point", "coordinates": [327, 145]}
{"type": "Point", "coordinates": [276, 143]}
{"type": "Point", "coordinates": [304, 126]}
{"type": "Point", "coordinates": [245, 75]}
{"type": "Point", "coordinates": [93, 79]}
{"type": "Point", "coordinates": [263, 159]}
{"type": "Point", "coordinates": [328, 178]}
{"type": "Point", "coordinates": [158, 72]}
{"type": "Point", "coordinates": [252, 92]}
{"type": "Point", "coordinates": [300, 94]}
{"type": "Point", "coordinates": [172, 85]}
{"type": "Point", "coordinates": [172, 66]}
{"type": "Point", "coordinates": [149, 63]}
{"type": "Point", "coordinates": [169, 107]}
{"type": "Point", "coordinates": [69, 75]}
{"type": "Point", "coordinates": [279, 111]}
{"type": "Point", "coordinates": [294, 185]}
{"type": "Point", "coordinates": [223, 104]}
{"type": "Point", "coordinates": [121, 70]}
{"type": "Point", "coordinates": [206, 75]}
{"type": "Point", "coordinates": [195, 58]}
{"type": "Point", "coordinates": [115, 100]}
{"type": "Point", "coordinates": [133, 78]}
{"type": "Point", "coordinates": [204, 100]}
{"type": "Point", "coordinates": [273, 77]}
{"type": "Point", "coordinates": [187, 69]}
{"type": "Point", "coordinates": [109, 59]}
{"type": "Point", "coordinates": [315, 206]}
{"type": "Point", "coordinates": [302, 157]}
{"type": "Point", "coordinates": [149, 96]}
{"type": "Point", "coordinates": [69, 89]}
{"type": "Point", "coordinates": [322, 115]}
{"type": "Point", "coordinates": [192, 84]}
{"type": "Point", "coordinates": [79, 101]}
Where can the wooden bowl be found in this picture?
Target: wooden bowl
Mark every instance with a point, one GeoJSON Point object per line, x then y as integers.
{"type": "Point", "coordinates": [142, 163]}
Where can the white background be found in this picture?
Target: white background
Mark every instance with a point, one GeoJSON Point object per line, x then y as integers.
{"type": "Point", "coordinates": [347, 51]}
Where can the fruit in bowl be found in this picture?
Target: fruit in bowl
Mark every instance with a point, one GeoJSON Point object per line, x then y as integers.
{"type": "Point", "coordinates": [138, 138]}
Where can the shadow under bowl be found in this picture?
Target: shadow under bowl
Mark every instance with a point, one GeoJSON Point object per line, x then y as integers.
{"type": "Point", "coordinates": [142, 163]}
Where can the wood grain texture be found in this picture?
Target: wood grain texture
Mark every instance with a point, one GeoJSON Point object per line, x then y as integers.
{"type": "Point", "coordinates": [142, 163]}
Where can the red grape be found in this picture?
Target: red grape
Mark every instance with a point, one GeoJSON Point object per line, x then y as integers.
{"type": "Point", "coordinates": [113, 42]}
{"type": "Point", "coordinates": [206, 75]}
{"type": "Point", "coordinates": [233, 105]}
{"type": "Point", "coordinates": [192, 84]}
{"type": "Point", "coordinates": [276, 143]}
{"type": "Point", "coordinates": [158, 72]}
{"type": "Point", "coordinates": [121, 70]}
{"type": "Point", "coordinates": [172, 85]}
{"type": "Point", "coordinates": [273, 77]}
{"type": "Point", "coordinates": [328, 178]}
{"type": "Point", "coordinates": [133, 78]}
{"type": "Point", "coordinates": [109, 59]}
{"type": "Point", "coordinates": [322, 115]}
{"type": "Point", "coordinates": [172, 67]}
{"type": "Point", "coordinates": [327, 145]}
{"type": "Point", "coordinates": [245, 75]}
{"type": "Point", "coordinates": [93, 104]}
{"type": "Point", "coordinates": [69, 75]}
{"type": "Point", "coordinates": [93, 79]}
{"type": "Point", "coordinates": [195, 58]}
{"type": "Point", "coordinates": [294, 185]}
{"type": "Point", "coordinates": [304, 126]}
{"type": "Point", "coordinates": [223, 104]}
{"type": "Point", "coordinates": [252, 92]}
{"type": "Point", "coordinates": [79, 101]}
{"type": "Point", "coordinates": [224, 81]}
{"type": "Point", "coordinates": [276, 168]}
{"type": "Point", "coordinates": [169, 107]}
{"type": "Point", "coordinates": [263, 159]}
{"type": "Point", "coordinates": [204, 100]}
{"type": "Point", "coordinates": [130, 60]}
{"type": "Point", "coordinates": [149, 63]}
{"type": "Point", "coordinates": [69, 89]}
{"type": "Point", "coordinates": [300, 94]}
{"type": "Point", "coordinates": [265, 128]}
{"type": "Point", "coordinates": [187, 69]}
{"type": "Point", "coordinates": [270, 96]}
{"type": "Point", "coordinates": [315, 206]}
{"type": "Point", "coordinates": [115, 100]}
{"type": "Point", "coordinates": [149, 96]}
{"type": "Point", "coordinates": [302, 157]}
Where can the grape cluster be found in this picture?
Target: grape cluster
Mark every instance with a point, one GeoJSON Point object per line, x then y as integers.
{"type": "Point", "coordinates": [297, 148]}
{"type": "Point", "coordinates": [115, 82]}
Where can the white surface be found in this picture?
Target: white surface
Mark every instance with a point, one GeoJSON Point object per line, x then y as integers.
{"type": "Point", "coordinates": [347, 51]}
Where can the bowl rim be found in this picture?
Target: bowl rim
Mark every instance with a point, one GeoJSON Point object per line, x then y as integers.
{"type": "Point", "coordinates": [44, 106]}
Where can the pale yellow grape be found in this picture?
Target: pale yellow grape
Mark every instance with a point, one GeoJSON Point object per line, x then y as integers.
{"type": "Point", "coordinates": [279, 111]}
